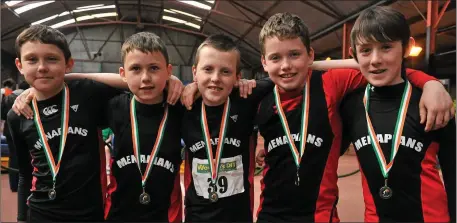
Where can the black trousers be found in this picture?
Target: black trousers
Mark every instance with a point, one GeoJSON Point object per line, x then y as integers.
{"type": "Point", "coordinates": [35, 216]}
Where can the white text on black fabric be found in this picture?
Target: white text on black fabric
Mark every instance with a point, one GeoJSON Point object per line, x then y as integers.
{"type": "Point", "coordinates": [282, 140]}
{"type": "Point", "coordinates": [387, 138]}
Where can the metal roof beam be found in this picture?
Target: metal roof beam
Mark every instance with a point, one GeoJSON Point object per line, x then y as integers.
{"type": "Point", "coordinates": [81, 34]}
{"type": "Point", "coordinates": [333, 27]}
{"type": "Point", "coordinates": [329, 5]}
{"type": "Point", "coordinates": [249, 10]}
{"type": "Point", "coordinates": [118, 10]}
{"type": "Point", "coordinates": [241, 11]}
{"type": "Point", "coordinates": [135, 23]}
{"type": "Point", "coordinates": [231, 33]}
{"type": "Point", "coordinates": [174, 46]}
{"type": "Point", "coordinates": [258, 21]}
{"type": "Point", "coordinates": [312, 5]}
{"type": "Point", "coordinates": [208, 15]}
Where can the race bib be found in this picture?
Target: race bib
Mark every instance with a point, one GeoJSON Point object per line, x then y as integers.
{"type": "Point", "coordinates": [229, 181]}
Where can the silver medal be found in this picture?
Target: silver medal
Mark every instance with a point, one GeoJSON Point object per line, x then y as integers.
{"type": "Point", "coordinates": [213, 197]}
{"type": "Point", "coordinates": [145, 198]}
{"type": "Point", "coordinates": [385, 192]}
{"type": "Point", "coordinates": [52, 194]}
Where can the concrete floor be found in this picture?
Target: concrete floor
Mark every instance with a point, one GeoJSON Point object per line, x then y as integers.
{"type": "Point", "coordinates": [350, 206]}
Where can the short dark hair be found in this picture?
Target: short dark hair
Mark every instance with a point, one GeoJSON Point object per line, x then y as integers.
{"type": "Point", "coordinates": [44, 34]}
{"type": "Point", "coordinates": [284, 25]}
{"type": "Point", "coordinates": [380, 24]}
{"type": "Point", "coordinates": [222, 43]}
{"type": "Point", "coordinates": [8, 83]}
{"type": "Point", "coordinates": [145, 42]}
{"type": "Point", "coordinates": [24, 85]}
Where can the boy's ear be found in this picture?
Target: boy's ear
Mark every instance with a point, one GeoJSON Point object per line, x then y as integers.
{"type": "Point", "coordinates": [238, 76]}
{"type": "Point", "coordinates": [411, 44]}
{"type": "Point", "coordinates": [311, 56]}
{"type": "Point", "coordinates": [18, 63]}
{"type": "Point", "coordinates": [264, 63]}
{"type": "Point", "coordinates": [170, 70]}
{"type": "Point", "coordinates": [69, 65]}
{"type": "Point", "coordinates": [122, 73]}
{"type": "Point", "coordinates": [194, 73]}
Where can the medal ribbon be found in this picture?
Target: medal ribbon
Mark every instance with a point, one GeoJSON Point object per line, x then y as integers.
{"type": "Point", "coordinates": [136, 140]}
{"type": "Point", "coordinates": [214, 165]}
{"type": "Point", "coordinates": [304, 122]}
{"type": "Point", "coordinates": [401, 117]}
{"type": "Point", "coordinates": [63, 128]}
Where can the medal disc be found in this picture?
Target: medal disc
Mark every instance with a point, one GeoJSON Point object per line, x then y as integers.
{"type": "Point", "coordinates": [145, 198]}
{"type": "Point", "coordinates": [52, 194]}
{"type": "Point", "coordinates": [213, 197]}
{"type": "Point", "coordinates": [385, 192]}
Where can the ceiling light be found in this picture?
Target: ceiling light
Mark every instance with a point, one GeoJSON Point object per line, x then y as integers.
{"type": "Point", "coordinates": [415, 51]}
{"type": "Point", "coordinates": [185, 13]}
{"type": "Point", "coordinates": [89, 6]}
{"type": "Point", "coordinates": [85, 8]}
{"type": "Point", "coordinates": [82, 18]}
{"type": "Point", "coordinates": [173, 19]}
{"type": "Point", "coordinates": [31, 6]}
{"type": "Point", "coordinates": [95, 8]}
{"type": "Point", "coordinates": [46, 19]}
{"type": "Point", "coordinates": [11, 3]}
{"type": "Point", "coordinates": [64, 13]}
{"type": "Point", "coordinates": [196, 4]}
{"type": "Point", "coordinates": [66, 22]}
{"type": "Point", "coordinates": [210, 1]}
{"type": "Point", "coordinates": [100, 15]}
{"type": "Point", "coordinates": [169, 11]}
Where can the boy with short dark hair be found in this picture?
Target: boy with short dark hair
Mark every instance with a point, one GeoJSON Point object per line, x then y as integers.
{"type": "Point", "coordinates": [300, 179]}
{"type": "Point", "coordinates": [61, 162]}
{"type": "Point", "coordinates": [8, 86]}
{"type": "Point", "coordinates": [383, 122]}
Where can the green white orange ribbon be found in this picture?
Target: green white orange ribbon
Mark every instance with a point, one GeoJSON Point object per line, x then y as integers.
{"type": "Point", "coordinates": [297, 154]}
{"type": "Point", "coordinates": [215, 164]}
{"type": "Point", "coordinates": [401, 117]}
{"type": "Point", "coordinates": [63, 136]}
{"type": "Point", "coordinates": [136, 140]}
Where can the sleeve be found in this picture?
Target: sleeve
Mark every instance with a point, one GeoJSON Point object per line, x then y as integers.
{"type": "Point", "coordinates": [101, 96]}
{"type": "Point", "coordinates": [263, 87]}
{"type": "Point", "coordinates": [346, 119]}
{"type": "Point", "coordinates": [105, 92]}
{"type": "Point", "coordinates": [24, 164]}
{"type": "Point", "coordinates": [339, 82]}
{"type": "Point", "coordinates": [112, 113]}
{"type": "Point", "coordinates": [446, 138]}
{"type": "Point", "coordinates": [418, 78]}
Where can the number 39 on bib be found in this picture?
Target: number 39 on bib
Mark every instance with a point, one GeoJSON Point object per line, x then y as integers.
{"type": "Point", "coordinates": [229, 182]}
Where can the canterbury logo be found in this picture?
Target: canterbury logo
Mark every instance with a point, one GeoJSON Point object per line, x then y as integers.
{"type": "Point", "coordinates": [234, 117]}
{"type": "Point", "coordinates": [74, 107]}
{"type": "Point", "coordinates": [50, 110]}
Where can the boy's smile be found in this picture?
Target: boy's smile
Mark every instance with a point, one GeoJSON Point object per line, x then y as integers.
{"type": "Point", "coordinates": [287, 62]}
{"type": "Point", "coordinates": [215, 74]}
{"type": "Point", "coordinates": [380, 63]}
